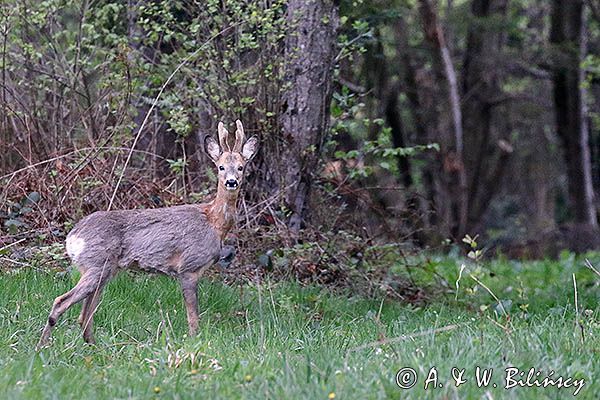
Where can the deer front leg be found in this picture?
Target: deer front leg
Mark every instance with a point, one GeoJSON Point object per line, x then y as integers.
{"type": "Point", "coordinates": [189, 287]}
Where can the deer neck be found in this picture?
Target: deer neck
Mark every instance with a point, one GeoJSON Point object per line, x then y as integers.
{"type": "Point", "coordinates": [221, 211]}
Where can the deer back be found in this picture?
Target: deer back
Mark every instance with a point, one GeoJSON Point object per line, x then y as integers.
{"type": "Point", "coordinates": [170, 240]}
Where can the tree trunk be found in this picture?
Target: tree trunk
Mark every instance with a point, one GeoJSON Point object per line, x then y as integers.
{"type": "Point", "coordinates": [310, 52]}
{"type": "Point", "coordinates": [594, 127]}
{"type": "Point", "coordinates": [394, 120]}
{"type": "Point", "coordinates": [431, 200]}
{"type": "Point", "coordinates": [568, 37]}
{"type": "Point", "coordinates": [481, 86]}
{"type": "Point", "coordinates": [453, 149]}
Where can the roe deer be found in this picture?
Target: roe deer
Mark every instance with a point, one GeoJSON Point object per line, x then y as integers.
{"type": "Point", "coordinates": [181, 241]}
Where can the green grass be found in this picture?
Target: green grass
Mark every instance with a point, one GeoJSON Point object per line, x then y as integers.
{"type": "Point", "coordinates": [284, 341]}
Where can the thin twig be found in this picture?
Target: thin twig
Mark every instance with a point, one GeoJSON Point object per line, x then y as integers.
{"type": "Point", "coordinates": [403, 338]}
{"type": "Point", "coordinates": [495, 298]}
{"type": "Point", "coordinates": [400, 339]}
{"type": "Point", "coordinates": [70, 153]}
{"type": "Point", "coordinates": [590, 266]}
{"type": "Point", "coordinates": [12, 244]}
{"type": "Point", "coordinates": [576, 303]}
{"type": "Point", "coordinates": [504, 328]}
{"type": "Point", "coordinates": [262, 346]}
{"type": "Point", "coordinates": [457, 283]}
{"type": "Point", "coordinates": [577, 320]}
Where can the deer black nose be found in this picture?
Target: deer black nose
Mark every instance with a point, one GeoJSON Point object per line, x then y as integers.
{"type": "Point", "coordinates": [231, 183]}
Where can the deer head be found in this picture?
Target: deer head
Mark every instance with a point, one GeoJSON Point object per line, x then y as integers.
{"type": "Point", "coordinates": [231, 160]}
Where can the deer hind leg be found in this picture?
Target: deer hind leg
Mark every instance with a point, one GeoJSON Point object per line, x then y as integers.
{"type": "Point", "coordinates": [83, 311]}
{"type": "Point", "coordinates": [86, 318]}
{"type": "Point", "coordinates": [90, 305]}
{"type": "Point", "coordinates": [86, 286]}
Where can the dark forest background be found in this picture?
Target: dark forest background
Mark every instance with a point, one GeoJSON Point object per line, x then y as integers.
{"type": "Point", "coordinates": [417, 122]}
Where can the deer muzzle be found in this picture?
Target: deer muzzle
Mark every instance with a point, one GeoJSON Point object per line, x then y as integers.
{"type": "Point", "coordinates": [231, 184]}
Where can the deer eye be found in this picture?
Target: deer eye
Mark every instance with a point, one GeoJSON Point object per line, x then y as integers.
{"type": "Point", "coordinates": [221, 168]}
{"type": "Point", "coordinates": [240, 168]}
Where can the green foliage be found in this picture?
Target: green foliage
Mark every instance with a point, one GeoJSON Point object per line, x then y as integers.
{"type": "Point", "coordinates": [591, 66]}
{"type": "Point", "coordinates": [103, 62]}
{"type": "Point", "coordinates": [177, 166]}
{"type": "Point", "coordinates": [352, 41]}
{"type": "Point", "coordinates": [179, 122]}
{"type": "Point", "coordinates": [380, 153]}
{"type": "Point", "coordinates": [15, 218]}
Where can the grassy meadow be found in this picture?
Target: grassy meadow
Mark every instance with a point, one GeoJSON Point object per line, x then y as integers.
{"type": "Point", "coordinates": [281, 340]}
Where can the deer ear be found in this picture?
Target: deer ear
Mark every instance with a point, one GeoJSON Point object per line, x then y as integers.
{"type": "Point", "coordinates": [250, 148]}
{"type": "Point", "coordinates": [211, 147]}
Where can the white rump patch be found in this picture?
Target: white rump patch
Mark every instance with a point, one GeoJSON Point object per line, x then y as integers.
{"type": "Point", "coordinates": [75, 246]}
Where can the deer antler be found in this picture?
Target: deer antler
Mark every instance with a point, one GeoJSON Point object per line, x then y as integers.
{"type": "Point", "coordinates": [223, 134]}
{"type": "Point", "coordinates": [239, 137]}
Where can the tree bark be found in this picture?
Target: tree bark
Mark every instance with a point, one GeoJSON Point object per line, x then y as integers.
{"type": "Point", "coordinates": [568, 37]}
{"type": "Point", "coordinates": [453, 161]}
{"type": "Point", "coordinates": [310, 53]}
